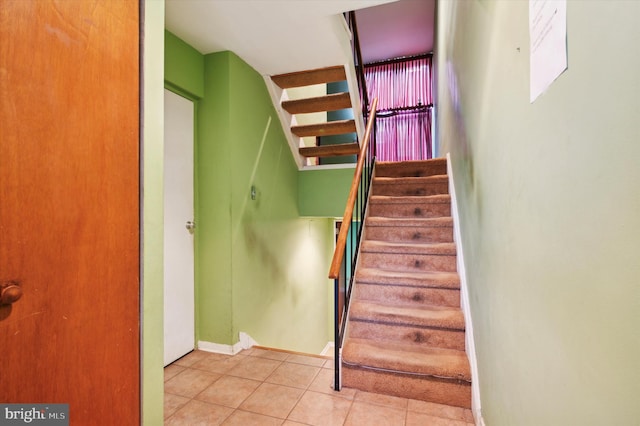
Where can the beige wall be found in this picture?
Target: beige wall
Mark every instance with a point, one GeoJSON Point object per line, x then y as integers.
{"type": "Point", "coordinates": [549, 197]}
{"type": "Point", "coordinates": [153, 216]}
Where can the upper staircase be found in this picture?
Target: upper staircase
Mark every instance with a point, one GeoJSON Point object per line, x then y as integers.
{"type": "Point", "coordinates": [406, 332]}
{"type": "Point", "coordinates": [294, 108]}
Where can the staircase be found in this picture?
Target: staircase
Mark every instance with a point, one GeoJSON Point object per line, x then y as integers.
{"type": "Point", "coordinates": [406, 331]}
{"type": "Point", "coordinates": [329, 102]}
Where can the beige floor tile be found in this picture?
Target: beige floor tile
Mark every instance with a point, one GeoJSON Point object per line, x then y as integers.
{"type": "Point", "coordinates": [191, 358]}
{"type": "Point", "coordinates": [262, 387]}
{"type": "Point", "coordinates": [221, 364]}
{"type": "Point", "coordinates": [190, 382]}
{"type": "Point", "coordinates": [329, 364]}
{"type": "Point", "coordinates": [439, 410]}
{"type": "Point", "coordinates": [228, 391]}
{"type": "Point", "coordinates": [245, 418]}
{"type": "Point", "coordinates": [324, 383]}
{"type": "Point", "coordinates": [196, 413]}
{"type": "Point", "coordinates": [385, 400]}
{"type": "Point", "coordinates": [172, 403]}
{"type": "Point", "coordinates": [421, 419]}
{"type": "Point", "coordinates": [294, 375]}
{"type": "Point", "coordinates": [319, 409]}
{"type": "Point", "coordinates": [254, 368]}
{"type": "Point", "coordinates": [306, 360]}
{"type": "Point", "coordinates": [272, 400]}
{"type": "Point", "coordinates": [275, 355]}
{"type": "Point", "coordinates": [171, 370]}
{"type": "Point", "coordinates": [362, 413]}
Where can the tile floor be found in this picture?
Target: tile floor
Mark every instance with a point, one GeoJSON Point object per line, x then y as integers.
{"type": "Point", "coordinates": [266, 387]}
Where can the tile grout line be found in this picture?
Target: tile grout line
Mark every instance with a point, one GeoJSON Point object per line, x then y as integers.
{"type": "Point", "coordinates": [289, 360]}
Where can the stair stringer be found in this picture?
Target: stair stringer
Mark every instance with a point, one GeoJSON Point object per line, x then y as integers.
{"type": "Point", "coordinates": [354, 93]}
{"type": "Point", "coordinates": [278, 95]}
{"type": "Point", "coordinates": [470, 347]}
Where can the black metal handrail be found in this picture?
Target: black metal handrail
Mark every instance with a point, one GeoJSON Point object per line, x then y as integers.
{"type": "Point", "coordinates": [345, 257]}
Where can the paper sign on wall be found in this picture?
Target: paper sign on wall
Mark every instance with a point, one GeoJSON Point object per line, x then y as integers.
{"type": "Point", "coordinates": [548, 43]}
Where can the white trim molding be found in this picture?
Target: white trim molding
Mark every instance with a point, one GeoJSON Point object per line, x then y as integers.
{"type": "Point", "coordinates": [464, 301]}
{"type": "Point", "coordinates": [328, 349]}
{"type": "Point", "coordinates": [245, 342]}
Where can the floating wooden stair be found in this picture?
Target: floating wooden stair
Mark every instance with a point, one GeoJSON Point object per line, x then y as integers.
{"type": "Point", "coordinates": [310, 77]}
{"type": "Point", "coordinates": [325, 129]}
{"type": "Point", "coordinates": [330, 102]}
{"type": "Point", "coordinates": [330, 150]}
{"type": "Point", "coordinates": [406, 331]}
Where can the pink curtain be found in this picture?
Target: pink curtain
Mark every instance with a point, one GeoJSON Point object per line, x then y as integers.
{"type": "Point", "coordinates": [404, 97]}
{"type": "Point", "coordinates": [404, 136]}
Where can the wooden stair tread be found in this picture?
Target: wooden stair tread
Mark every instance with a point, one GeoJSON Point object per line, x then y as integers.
{"type": "Point", "coordinates": [426, 279]}
{"type": "Point", "coordinates": [310, 77]}
{"type": "Point", "coordinates": [337, 127]}
{"type": "Point", "coordinates": [441, 249]}
{"type": "Point", "coordinates": [407, 359]}
{"type": "Point", "coordinates": [330, 150]}
{"type": "Point", "coordinates": [331, 102]}
{"type": "Point", "coordinates": [414, 314]}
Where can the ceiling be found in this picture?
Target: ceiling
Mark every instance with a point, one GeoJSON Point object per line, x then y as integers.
{"type": "Point", "coordinates": [393, 30]}
{"type": "Point", "coordinates": [277, 36]}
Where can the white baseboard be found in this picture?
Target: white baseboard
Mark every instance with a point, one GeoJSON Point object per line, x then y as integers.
{"type": "Point", "coordinates": [245, 342]}
{"type": "Point", "coordinates": [328, 349]}
{"type": "Point", "coordinates": [464, 302]}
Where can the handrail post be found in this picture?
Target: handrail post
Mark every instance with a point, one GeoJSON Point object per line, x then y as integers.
{"type": "Point", "coordinates": [337, 382]}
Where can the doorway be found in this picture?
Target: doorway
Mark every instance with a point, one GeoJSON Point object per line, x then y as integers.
{"type": "Point", "coordinates": [179, 228]}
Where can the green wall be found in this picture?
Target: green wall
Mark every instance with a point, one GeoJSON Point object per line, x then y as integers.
{"type": "Point", "coordinates": [183, 68]}
{"type": "Point", "coordinates": [324, 192]}
{"type": "Point", "coordinates": [550, 209]}
{"type": "Point", "coordinates": [153, 219]}
{"type": "Point", "coordinates": [261, 268]}
{"type": "Point", "coordinates": [213, 251]}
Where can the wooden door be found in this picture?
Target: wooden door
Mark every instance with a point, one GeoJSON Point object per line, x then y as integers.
{"type": "Point", "coordinates": [69, 206]}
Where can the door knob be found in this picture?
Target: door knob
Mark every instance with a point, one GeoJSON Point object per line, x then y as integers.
{"type": "Point", "coordinates": [191, 226]}
{"type": "Point", "coordinates": [10, 292]}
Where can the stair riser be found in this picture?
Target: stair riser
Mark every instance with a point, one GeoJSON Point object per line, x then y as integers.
{"type": "Point", "coordinates": [412, 210]}
{"type": "Point", "coordinates": [400, 294]}
{"type": "Point", "coordinates": [445, 339]}
{"type": "Point", "coordinates": [416, 170]}
{"type": "Point", "coordinates": [409, 234]}
{"type": "Point", "coordinates": [405, 386]}
{"type": "Point", "coordinates": [410, 189]}
{"type": "Point", "coordinates": [409, 262]}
